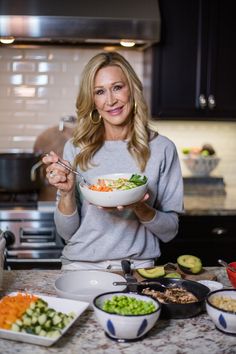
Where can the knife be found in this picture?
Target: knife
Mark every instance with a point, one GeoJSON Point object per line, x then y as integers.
{"type": "Point", "coordinates": [132, 283]}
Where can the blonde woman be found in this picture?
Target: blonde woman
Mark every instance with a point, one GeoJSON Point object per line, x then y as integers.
{"type": "Point", "coordinates": [112, 135]}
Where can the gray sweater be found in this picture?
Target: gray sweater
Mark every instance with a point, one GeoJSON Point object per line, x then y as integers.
{"type": "Point", "coordinates": [94, 234]}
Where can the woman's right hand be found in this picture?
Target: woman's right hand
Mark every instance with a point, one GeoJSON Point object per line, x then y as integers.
{"type": "Point", "coordinates": [57, 175]}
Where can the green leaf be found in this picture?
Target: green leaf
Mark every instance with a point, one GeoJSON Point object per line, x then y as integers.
{"type": "Point", "coordinates": [138, 180]}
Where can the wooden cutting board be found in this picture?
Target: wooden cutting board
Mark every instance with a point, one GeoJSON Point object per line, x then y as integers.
{"type": "Point", "coordinates": [204, 275]}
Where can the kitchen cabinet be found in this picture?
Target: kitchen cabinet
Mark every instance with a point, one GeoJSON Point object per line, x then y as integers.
{"type": "Point", "coordinates": [193, 67]}
{"type": "Point", "coordinates": [209, 237]}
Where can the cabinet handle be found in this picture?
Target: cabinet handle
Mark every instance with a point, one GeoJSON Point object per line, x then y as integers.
{"type": "Point", "coordinates": [202, 101]}
{"type": "Point", "coordinates": [219, 231]}
{"type": "Point", "coordinates": [211, 102]}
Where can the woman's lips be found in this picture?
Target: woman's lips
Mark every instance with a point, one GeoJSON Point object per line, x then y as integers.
{"type": "Point", "coordinates": [115, 111]}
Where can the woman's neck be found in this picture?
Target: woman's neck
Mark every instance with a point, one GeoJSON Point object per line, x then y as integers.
{"type": "Point", "coordinates": [121, 133]}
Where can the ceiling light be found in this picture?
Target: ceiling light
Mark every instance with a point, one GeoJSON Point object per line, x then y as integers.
{"type": "Point", "coordinates": [7, 40]}
{"type": "Point", "coordinates": [127, 43]}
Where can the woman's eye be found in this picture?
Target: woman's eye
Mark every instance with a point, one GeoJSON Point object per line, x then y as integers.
{"type": "Point", "coordinates": [117, 87]}
{"type": "Point", "coordinates": [99, 92]}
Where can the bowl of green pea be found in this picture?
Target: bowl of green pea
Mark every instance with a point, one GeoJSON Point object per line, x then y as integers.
{"type": "Point", "coordinates": [126, 316]}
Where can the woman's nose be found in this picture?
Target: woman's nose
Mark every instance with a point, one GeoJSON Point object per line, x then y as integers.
{"type": "Point", "coordinates": [111, 99]}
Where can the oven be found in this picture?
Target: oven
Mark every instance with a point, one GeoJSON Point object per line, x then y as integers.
{"type": "Point", "coordinates": [35, 242]}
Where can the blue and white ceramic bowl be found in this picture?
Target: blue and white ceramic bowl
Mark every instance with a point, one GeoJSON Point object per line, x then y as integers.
{"type": "Point", "coordinates": [224, 320]}
{"type": "Point", "coordinates": [125, 327]}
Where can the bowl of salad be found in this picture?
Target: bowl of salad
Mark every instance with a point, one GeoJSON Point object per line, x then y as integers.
{"type": "Point", "coordinates": [115, 189]}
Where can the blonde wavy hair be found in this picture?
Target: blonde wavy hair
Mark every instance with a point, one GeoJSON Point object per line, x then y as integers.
{"type": "Point", "coordinates": [89, 137]}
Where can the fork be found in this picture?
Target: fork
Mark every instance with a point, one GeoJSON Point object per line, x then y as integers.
{"type": "Point", "coordinates": [59, 162]}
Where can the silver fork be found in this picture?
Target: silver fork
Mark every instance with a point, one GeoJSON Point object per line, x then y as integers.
{"type": "Point", "coordinates": [75, 172]}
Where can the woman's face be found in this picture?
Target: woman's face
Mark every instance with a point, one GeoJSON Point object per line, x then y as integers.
{"type": "Point", "coordinates": [112, 96]}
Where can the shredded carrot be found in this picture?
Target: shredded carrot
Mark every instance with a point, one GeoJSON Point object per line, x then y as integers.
{"type": "Point", "coordinates": [101, 188]}
{"type": "Point", "coordinates": [13, 307]}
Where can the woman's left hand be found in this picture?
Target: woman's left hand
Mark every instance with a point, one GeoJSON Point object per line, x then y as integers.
{"type": "Point", "coordinates": [143, 211]}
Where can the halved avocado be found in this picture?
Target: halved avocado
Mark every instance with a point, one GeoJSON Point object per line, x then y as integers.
{"type": "Point", "coordinates": [154, 272]}
{"type": "Point", "coordinates": [173, 275]}
{"type": "Point", "coordinates": [189, 264]}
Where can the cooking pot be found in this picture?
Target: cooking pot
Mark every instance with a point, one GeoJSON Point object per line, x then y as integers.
{"type": "Point", "coordinates": [20, 172]}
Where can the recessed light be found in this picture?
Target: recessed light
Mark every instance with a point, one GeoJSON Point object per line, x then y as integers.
{"type": "Point", "coordinates": [7, 40]}
{"type": "Point", "coordinates": [127, 43]}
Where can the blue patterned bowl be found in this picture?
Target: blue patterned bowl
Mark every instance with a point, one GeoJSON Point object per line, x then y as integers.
{"type": "Point", "coordinates": [125, 327]}
{"type": "Point", "coordinates": [224, 319]}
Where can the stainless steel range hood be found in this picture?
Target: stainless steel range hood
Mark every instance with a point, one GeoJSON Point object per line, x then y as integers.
{"type": "Point", "coordinates": [80, 21]}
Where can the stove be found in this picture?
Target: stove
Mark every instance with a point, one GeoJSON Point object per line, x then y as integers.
{"type": "Point", "coordinates": [36, 242]}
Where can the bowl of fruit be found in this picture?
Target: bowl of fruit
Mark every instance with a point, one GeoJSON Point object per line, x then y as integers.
{"type": "Point", "coordinates": [200, 161]}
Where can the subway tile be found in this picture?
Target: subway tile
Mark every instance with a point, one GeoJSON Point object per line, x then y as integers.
{"type": "Point", "coordinates": [15, 104]}
{"type": "Point", "coordinates": [36, 79]}
{"type": "Point", "coordinates": [36, 104]}
{"type": "Point", "coordinates": [36, 54]}
{"type": "Point", "coordinates": [49, 67]}
{"type": "Point", "coordinates": [10, 79]}
{"type": "Point", "coordinates": [50, 92]}
{"type": "Point", "coordinates": [21, 66]}
{"type": "Point", "coordinates": [24, 91]}
{"type": "Point", "coordinates": [11, 53]}
{"type": "Point", "coordinates": [5, 66]}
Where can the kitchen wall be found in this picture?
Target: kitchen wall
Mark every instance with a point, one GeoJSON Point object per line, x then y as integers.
{"type": "Point", "coordinates": [38, 86]}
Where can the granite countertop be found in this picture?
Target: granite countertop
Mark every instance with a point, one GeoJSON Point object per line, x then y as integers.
{"type": "Point", "coordinates": [195, 335]}
{"type": "Point", "coordinates": [214, 204]}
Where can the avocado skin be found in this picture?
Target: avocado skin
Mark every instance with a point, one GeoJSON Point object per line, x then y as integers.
{"type": "Point", "coordinates": [189, 264]}
{"type": "Point", "coordinates": [151, 273]}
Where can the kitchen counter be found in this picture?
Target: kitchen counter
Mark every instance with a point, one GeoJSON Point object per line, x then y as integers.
{"type": "Point", "coordinates": [195, 335]}
{"type": "Point", "coordinates": [212, 204]}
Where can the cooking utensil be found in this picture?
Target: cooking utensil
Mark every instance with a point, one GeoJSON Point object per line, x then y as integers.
{"type": "Point", "coordinates": [132, 283]}
{"type": "Point", "coordinates": [176, 310]}
{"type": "Point", "coordinates": [147, 283]}
{"type": "Point", "coordinates": [84, 181]}
{"type": "Point", "coordinates": [25, 174]}
{"type": "Point", "coordinates": [226, 265]}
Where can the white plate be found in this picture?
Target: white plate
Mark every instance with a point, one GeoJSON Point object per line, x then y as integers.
{"type": "Point", "coordinates": [58, 304]}
{"type": "Point", "coordinates": [211, 284]}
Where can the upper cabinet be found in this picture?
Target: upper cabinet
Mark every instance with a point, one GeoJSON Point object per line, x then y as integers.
{"type": "Point", "coordinates": [194, 66]}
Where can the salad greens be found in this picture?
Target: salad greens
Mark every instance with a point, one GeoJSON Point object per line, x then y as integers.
{"type": "Point", "coordinates": [138, 180]}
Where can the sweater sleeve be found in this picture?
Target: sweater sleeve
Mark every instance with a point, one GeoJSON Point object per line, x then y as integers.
{"type": "Point", "coordinates": [169, 202]}
{"type": "Point", "coordinates": [67, 225]}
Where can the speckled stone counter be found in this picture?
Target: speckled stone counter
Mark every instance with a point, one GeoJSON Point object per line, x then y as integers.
{"type": "Point", "coordinates": [196, 335]}
{"type": "Point", "coordinates": [212, 204]}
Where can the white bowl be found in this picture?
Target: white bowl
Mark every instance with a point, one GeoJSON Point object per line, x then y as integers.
{"type": "Point", "coordinates": [224, 320]}
{"type": "Point", "coordinates": [211, 284]}
{"type": "Point", "coordinates": [114, 198]}
{"type": "Point", "coordinates": [84, 285]}
{"type": "Point", "coordinates": [201, 166]}
{"type": "Point", "coordinates": [125, 327]}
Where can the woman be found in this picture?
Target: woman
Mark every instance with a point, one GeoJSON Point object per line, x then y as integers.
{"type": "Point", "coordinates": [112, 135]}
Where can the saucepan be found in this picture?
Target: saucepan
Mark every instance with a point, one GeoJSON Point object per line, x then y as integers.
{"type": "Point", "coordinates": [178, 310]}
{"type": "Point", "coordinates": [20, 172]}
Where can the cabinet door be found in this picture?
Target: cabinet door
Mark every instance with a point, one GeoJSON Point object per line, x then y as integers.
{"type": "Point", "coordinates": [207, 237]}
{"type": "Point", "coordinates": [175, 59]}
{"type": "Point", "coordinates": [221, 68]}
{"type": "Point", "coordinates": [194, 71]}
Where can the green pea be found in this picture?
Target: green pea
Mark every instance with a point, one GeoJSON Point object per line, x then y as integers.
{"type": "Point", "coordinates": [126, 305]}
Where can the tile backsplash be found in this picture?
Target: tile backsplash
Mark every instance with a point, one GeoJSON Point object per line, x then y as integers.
{"type": "Point", "coordinates": [38, 86]}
